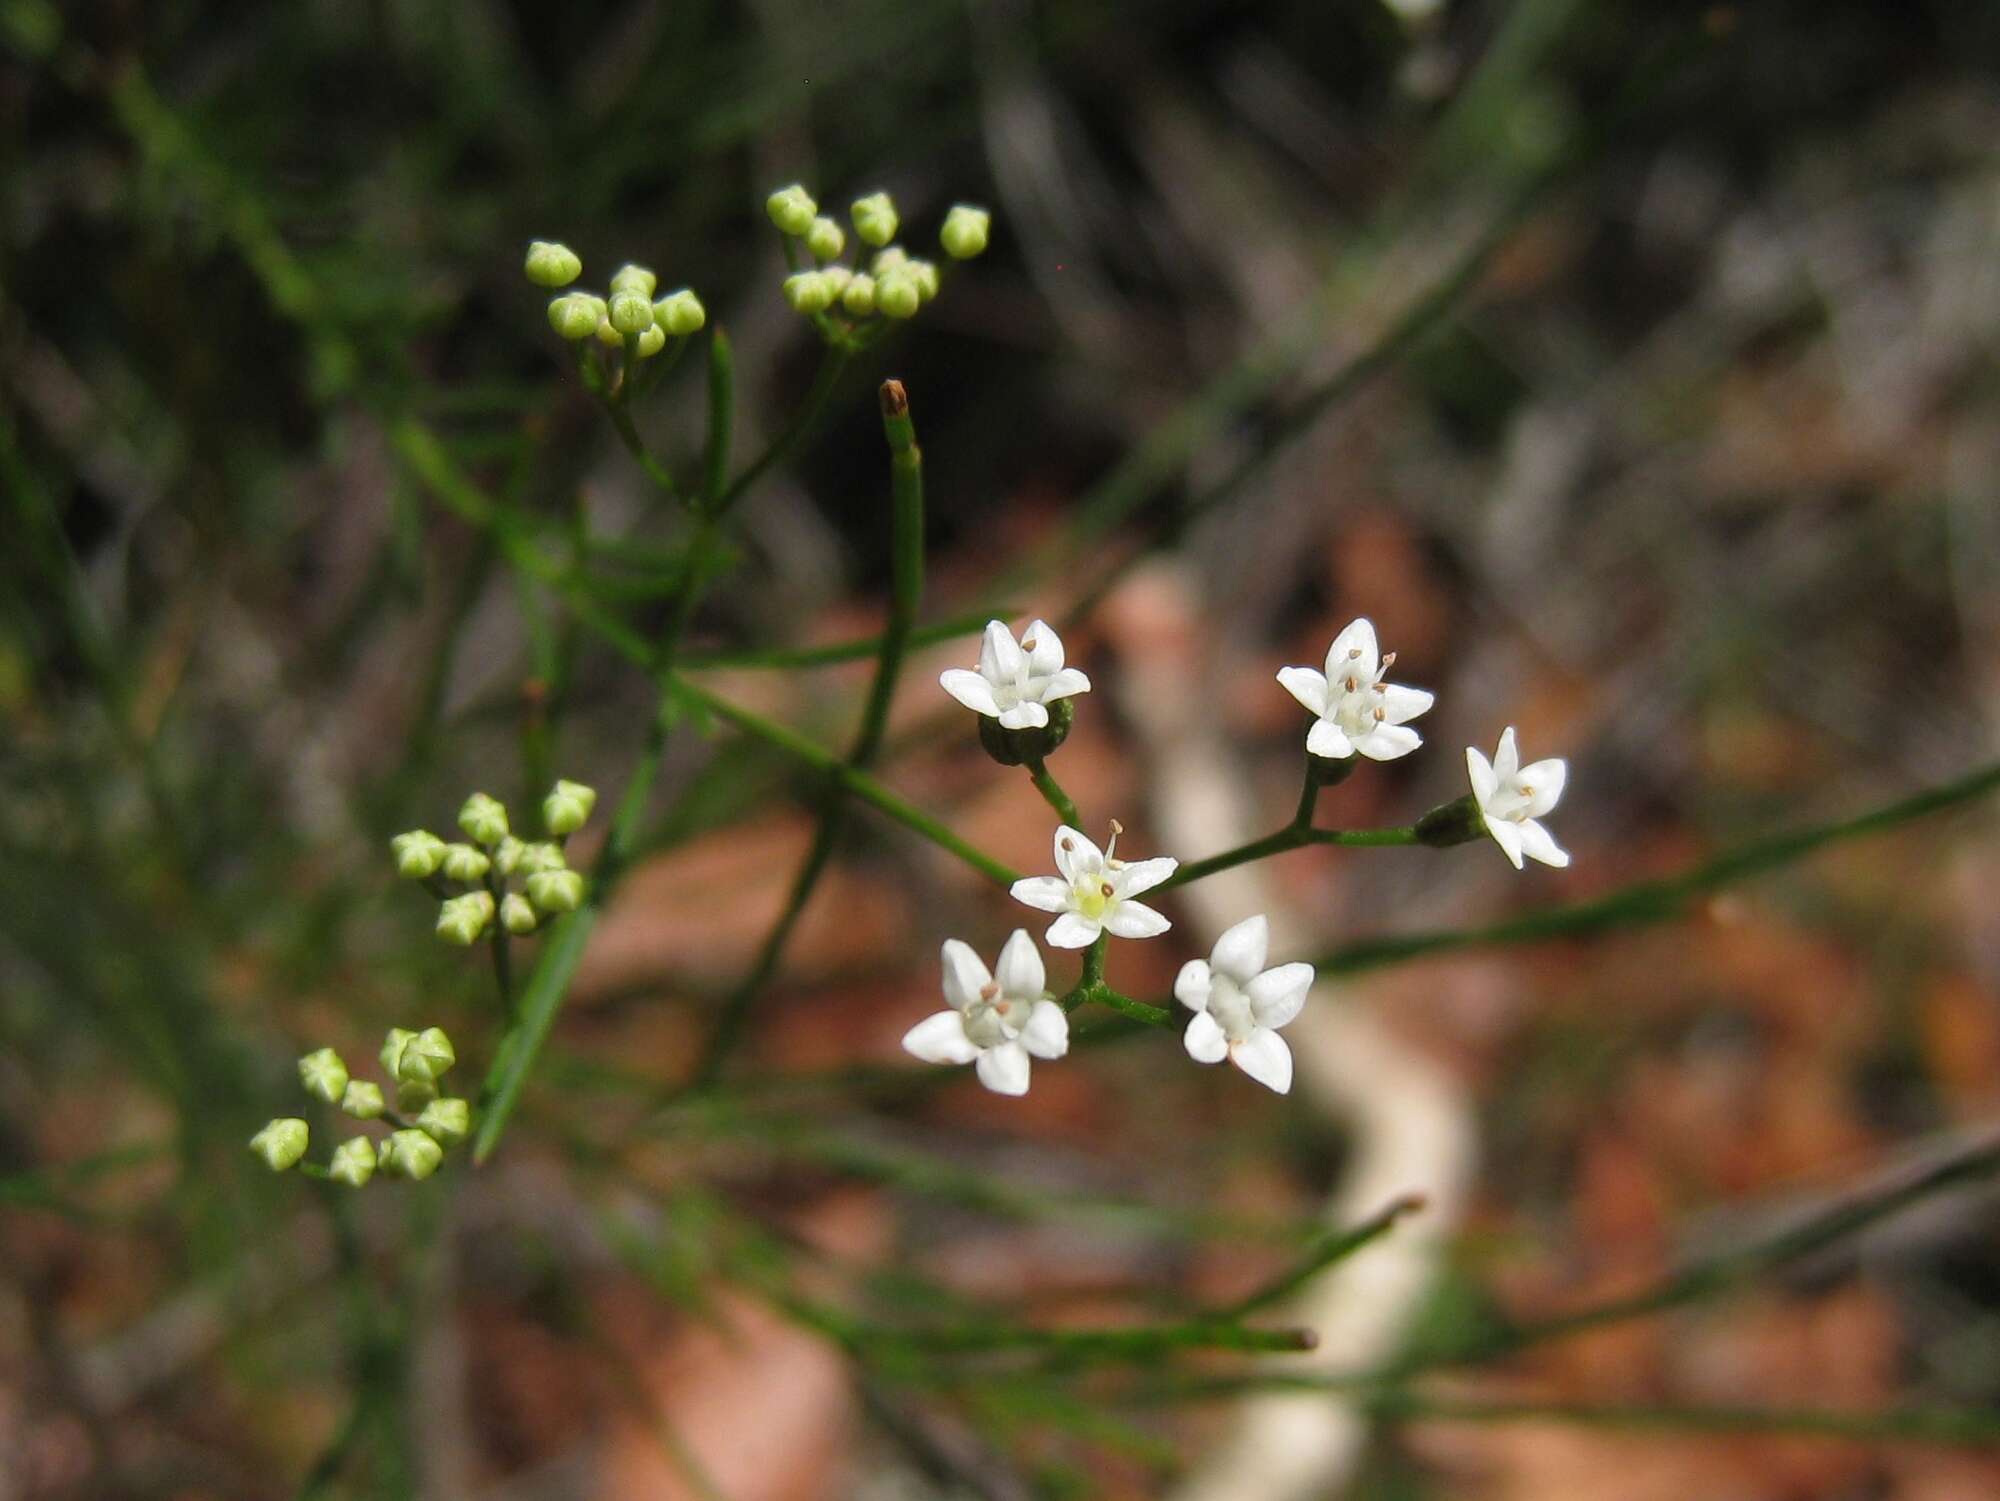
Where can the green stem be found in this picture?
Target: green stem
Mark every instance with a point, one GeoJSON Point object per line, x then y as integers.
{"type": "Point", "coordinates": [721, 418]}
{"type": "Point", "coordinates": [1659, 900]}
{"type": "Point", "coordinates": [795, 433]}
{"type": "Point", "coordinates": [620, 413]}
{"type": "Point", "coordinates": [1051, 790]}
{"type": "Point", "coordinates": [1290, 837]}
{"type": "Point", "coordinates": [1336, 1246]}
{"type": "Point", "coordinates": [906, 551]}
{"type": "Point", "coordinates": [503, 964]}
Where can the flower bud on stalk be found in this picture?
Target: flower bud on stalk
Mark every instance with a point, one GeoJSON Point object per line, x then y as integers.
{"type": "Point", "coordinates": [411, 1154]}
{"type": "Point", "coordinates": [567, 807]}
{"type": "Point", "coordinates": [462, 862]}
{"type": "Point", "coordinates": [446, 1121]}
{"type": "Point", "coordinates": [897, 294]}
{"type": "Point", "coordinates": [575, 316]}
{"type": "Point", "coordinates": [556, 890]}
{"type": "Point", "coordinates": [875, 218]}
{"type": "Point", "coordinates": [550, 264]}
{"type": "Point", "coordinates": [808, 292]}
{"type": "Point", "coordinates": [680, 313]}
{"type": "Point", "coordinates": [418, 854]}
{"type": "Point", "coordinates": [363, 1099]}
{"type": "Point", "coordinates": [825, 239]}
{"type": "Point", "coordinates": [633, 278]}
{"type": "Point", "coordinates": [965, 231]}
{"type": "Point", "coordinates": [484, 818]}
{"type": "Point", "coordinates": [858, 296]}
{"type": "Point", "coordinates": [631, 311]}
{"type": "Point", "coordinates": [281, 1143]}
{"type": "Point", "coordinates": [353, 1162]}
{"type": "Point", "coordinates": [518, 915]}
{"type": "Point", "coordinates": [792, 209]}
{"type": "Point", "coordinates": [462, 919]}
{"type": "Point", "coordinates": [323, 1074]}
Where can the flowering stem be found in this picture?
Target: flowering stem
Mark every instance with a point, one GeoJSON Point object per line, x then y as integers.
{"type": "Point", "coordinates": [1290, 837]}
{"type": "Point", "coordinates": [1665, 898]}
{"type": "Point", "coordinates": [830, 371]}
{"type": "Point", "coordinates": [906, 552]}
{"type": "Point", "coordinates": [1052, 790]}
{"type": "Point", "coordinates": [721, 417]}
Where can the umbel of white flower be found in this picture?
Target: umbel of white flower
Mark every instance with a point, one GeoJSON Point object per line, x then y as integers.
{"type": "Point", "coordinates": [1239, 1005]}
{"type": "Point", "coordinates": [996, 1020]}
{"type": "Point", "coordinates": [1095, 890]}
{"type": "Point", "coordinates": [1016, 681]}
{"type": "Point", "coordinates": [1356, 711]}
{"type": "Point", "coordinates": [1511, 797]}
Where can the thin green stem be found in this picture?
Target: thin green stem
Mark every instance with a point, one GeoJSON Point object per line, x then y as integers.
{"type": "Point", "coordinates": [796, 431]}
{"type": "Point", "coordinates": [1660, 900]}
{"type": "Point", "coordinates": [1052, 792]}
{"type": "Point", "coordinates": [1971, 1428]}
{"type": "Point", "coordinates": [1290, 837]}
{"type": "Point", "coordinates": [1336, 1246]}
{"type": "Point", "coordinates": [837, 652]}
{"type": "Point", "coordinates": [721, 418]}
{"type": "Point", "coordinates": [619, 411]}
{"type": "Point", "coordinates": [503, 962]}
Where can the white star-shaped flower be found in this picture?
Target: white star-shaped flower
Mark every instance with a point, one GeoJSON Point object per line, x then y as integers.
{"type": "Point", "coordinates": [1239, 1005]}
{"type": "Point", "coordinates": [994, 1023]}
{"type": "Point", "coordinates": [1357, 711]}
{"type": "Point", "coordinates": [1016, 680]}
{"type": "Point", "coordinates": [1095, 890]}
{"type": "Point", "coordinates": [1512, 796]}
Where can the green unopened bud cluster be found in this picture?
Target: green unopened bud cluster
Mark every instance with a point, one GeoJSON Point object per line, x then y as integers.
{"type": "Point", "coordinates": [629, 310]}
{"type": "Point", "coordinates": [428, 1123]}
{"type": "Point", "coordinates": [888, 284]}
{"type": "Point", "coordinates": [491, 858]}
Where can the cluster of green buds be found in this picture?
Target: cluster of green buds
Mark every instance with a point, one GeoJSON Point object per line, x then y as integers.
{"type": "Point", "coordinates": [628, 315]}
{"type": "Point", "coordinates": [427, 1123]}
{"type": "Point", "coordinates": [473, 879]}
{"type": "Point", "coordinates": [848, 288]}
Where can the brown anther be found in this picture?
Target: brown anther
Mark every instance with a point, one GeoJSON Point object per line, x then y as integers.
{"type": "Point", "coordinates": [1028, 645]}
{"type": "Point", "coordinates": [1068, 843]}
{"type": "Point", "coordinates": [1388, 660]}
{"type": "Point", "coordinates": [1117, 828]}
{"type": "Point", "coordinates": [1353, 685]}
{"type": "Point", "coordinates": [1354, 654]}
{"type": "Point", "coordinates": [1380, 713]}
{"type": "Point", "coordinates": [989, 990]}
{"type": "Point", "coordinates": [1107, 890]}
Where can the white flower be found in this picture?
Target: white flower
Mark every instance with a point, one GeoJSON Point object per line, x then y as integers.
{"type": "Point", "coordinates": [995, 1023]}
{"type": "Point", "coordinates": [1016, 681]}
{"type": "Point", "coordinates": [1239, 1005]}
{"type": "Point", "coordinates": [1357, 710]}
{"type": "Point", "coordinates": [1094, 891]}
{"type": "Point", "coordinates": [1512, 796]}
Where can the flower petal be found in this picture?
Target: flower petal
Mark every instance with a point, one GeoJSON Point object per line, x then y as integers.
{"type": "Point", "coordinates": [1305, 685]}
{"type": "Point", "coordinates": [1327, 739]}
{"type": "Point", "coordinates": [1507, 759]}
{"type": "Point", "coordinates": [1547, 778]}
{"type": "Point", "coordinates": [1072, 931]}
{"type": "Point", "coordinates": [1538, 844]}
{"type": "Point", "coordinates": [999, 653]}
{"type": "Point", "coordinates": [1045, 658]}
{"type": "Point", "coordinates": [1400, 705]}
{"type": "Point", "coordinates": [970, 689]}
{"type": "Point", "coordinates": [940, 1039]}
{"type": "Point", "coordinates": [1388, 742]}
{"type": "Point", "coordinates": [1204, 1040]}
{"type": "Point", "coordinates": [1354, 653]}
{"type": "Point", "coordinates": [1144, 875]}
{"type": "Point", "coordinates": [1043, 893]}
{"type": "Point", "coordinates": [1025, 714]}
{"type": "Point", "coordinates": [1239, 952]}
{"type": "Point", "coordinates": [1485, 782]}
{"type": "Point", "coordinates": [1075, 854]}
{"type": "Point", "coordinates": [965, 973]}
{"type": "Point", "coordinates": [1135, 920]}
{"type": "Point", "coordinates": [1262, 1055]}
{"type": "Point", "coordinates": [1278, 995]}
{"type": "Point", "coordinates": [1004, 1069]}
{"type": "Point", "coordinates": [1020, 970]}
{"type": "Point", "coordinates": [1064, 683]}
{"type": "Point", "coordinates": [1047, 1032]}
{"type": "Point", "coordinates": [1191, 985]}
{"type": "Point", "coordinates": [1507, 834]}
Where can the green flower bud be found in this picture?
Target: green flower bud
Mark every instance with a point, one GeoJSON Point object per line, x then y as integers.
{"type": "Point", "coordinates": [792, 209]}
{"type": "Point", "coordinates": [412, 1097]}
{"type": "Point", "coordinates": [965, 230]}
{"type": "Point", "coordinates": [410, 1154]}
{"type": "Point", "coordinates": [392, 1048]}
{"type": "Point", "coordinates": [875, 218]}
{"type": "Point", "coordinates": [518, 915]}
{"type": "Point", "coordinates": [353, 1162]}
{"type": "Point", "coordinates": [507, 855]}
{"type": "Point", "coordinates": [606, 334]}
{"type": "Point", "coordinates": [546, 854]}
{"type": "Point", "coordinates": [1455, 822]}
{"type": "Point", "coordinates": [323, 1074]}
{"type": "Point", "coordinates": [559, 890]}
{"type": "Point", "coordinates": [926, 277]}
{"type": "Point", "coordinates": [858, 297]}
{"type": "Point", "coordinates": [418, 854]}
{"type": "Point", "coordinates": [1026, 746]}
{"type": "Point", "coordinates": [808, 292]}
{"type": "Point", "coordinates": [824, 238]}
{"type": "Point", "coordinates": [652, 341]}
{"type": "Point", "coordinates": [631, 311]}
{"type": "Point", "coordinates": [897, 295]}
{"type": "Point", "coordinates": [551, 264]}
{"type": "Point", "coordinates": [483, 818]}
{"type": "Point", "coordinates": [567, 807]}
{"type": "Point", "coordinates": [363, 1099]}
{"type": "Point", "coordinates": [427, 1057]}
{"type": "Point", "coordinates": [634, 278]}
{"type": "Point", "coordinates": [446, 1121]}
{"type": "Point", "coordinates": [465, 862]}
{"type": "Point", "coordinates": [892, 259]}
{"type": "Point", "coordinates": [281, 1143]}
{"type": "Point", "coordinates": [837, 278]}
{"type": "Point", "coordinates": [463, 918]}
{"type": "Point", "coordinates": [575, 316]}
{"type": "Point", "coordinates": [680, 313]}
